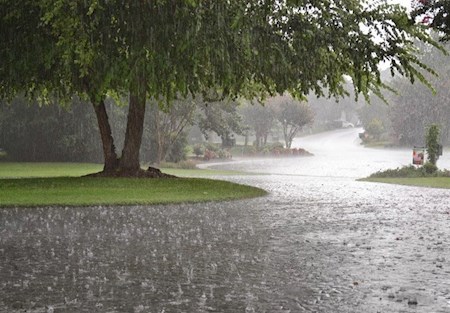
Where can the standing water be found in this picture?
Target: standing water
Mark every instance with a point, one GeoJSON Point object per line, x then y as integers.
{"type": "Point", "coordinates": [319, 242]}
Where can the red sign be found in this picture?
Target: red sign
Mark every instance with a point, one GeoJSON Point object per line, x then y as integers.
{"type": "Point", "coordinates": [418, 155]}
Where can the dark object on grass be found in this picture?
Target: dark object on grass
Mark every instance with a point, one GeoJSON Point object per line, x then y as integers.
{"type": "Point", "coordinates": [151, 172]}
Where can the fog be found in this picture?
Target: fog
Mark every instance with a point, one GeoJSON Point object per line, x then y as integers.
{"type": "Point", "coordinates": [337, 153]}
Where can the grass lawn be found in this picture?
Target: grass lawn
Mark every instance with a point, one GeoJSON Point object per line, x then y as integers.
{"type": "Point", "coordinates": [22, 170]}
{"type": "Point", "coordinates": [434, 182]}
{"type": "Point", "coordinates": [27, 170]}
{"type": "Point", "coordinates": [59, 184]}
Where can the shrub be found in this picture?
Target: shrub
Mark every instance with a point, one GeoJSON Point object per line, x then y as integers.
{"type": "Point", "coordinates": [178, 149]}
{"type": "Point", "coordinates": [375, 128]}
{"type": "Point", "coordinates": [212, 147]}
{"type": "Point", "coordinates": [209, 155]}
{"type": "Point", "coordinates": [199, 149]}
{"type": "Point", "coordinates": [429, 168]}
{"type": "Point", "coordinates": [223, 154]}
{"type": "Point", "coordinates": [432, 143]}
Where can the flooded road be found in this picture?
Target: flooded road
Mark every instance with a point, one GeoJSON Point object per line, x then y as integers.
{"type": "Point", "coordinates": [319, 242]}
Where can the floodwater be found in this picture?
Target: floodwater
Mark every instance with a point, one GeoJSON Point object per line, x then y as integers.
{"type": "Point", "coordinates": [319, 242]}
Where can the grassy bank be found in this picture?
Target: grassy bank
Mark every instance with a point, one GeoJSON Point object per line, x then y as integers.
{"type": "Point", "coordinates": [427, 175]}
{"type": "Point", "coordinates": [59, 184]}
{"type": "Point", "coordinates": [433, 182]}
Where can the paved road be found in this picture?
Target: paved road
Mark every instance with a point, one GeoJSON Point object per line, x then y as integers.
{"type": "Point", "coordinates": [319, 242]}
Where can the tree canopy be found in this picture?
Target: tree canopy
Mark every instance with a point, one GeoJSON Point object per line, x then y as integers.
{"type": "Point", "coordinates": [167, 48]}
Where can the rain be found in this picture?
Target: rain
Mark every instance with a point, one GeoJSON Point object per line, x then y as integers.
{"type": "Point", "coordinates": [322, 239]}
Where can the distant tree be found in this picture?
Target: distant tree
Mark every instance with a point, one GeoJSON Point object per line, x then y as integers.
{"type": "Point", "coordinates": [413, 108]}
{"type": "Point", "coordinates": [377, 109]}
{"type": "Point", "coordinates": [166, 130]}
{"type": "Point", "coordinates": [222, 118]}
{"type": "Point", "coordinates": [375, 128]}
{"type": "Point", "coordinates": [33, 133]}
{"type": "Point", "coordinates": [328, 112]}
{"type": "Point", "coordinates": [293, 115]}
{"type": "Point", "coordinates": [260, 118]}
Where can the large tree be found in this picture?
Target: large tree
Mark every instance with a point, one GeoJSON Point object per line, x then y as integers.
{"type": "Point", "coordinates": [152, 49]}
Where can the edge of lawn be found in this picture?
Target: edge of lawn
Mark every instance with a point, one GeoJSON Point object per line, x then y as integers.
{"type": "Point", "coordinates": [430, 182]}
{"type": "Point", "coordinates": [63, 184]}
{"type": "Point", "coordinates": [89, 191]}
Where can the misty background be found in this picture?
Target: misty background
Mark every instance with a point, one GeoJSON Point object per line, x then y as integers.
{"type": "Point", "coordinates": [31, 131]}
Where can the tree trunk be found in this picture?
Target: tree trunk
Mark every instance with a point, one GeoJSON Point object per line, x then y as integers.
{"type": "Point", "coordinates": [109, 150]}
{"type": "Point", "coordinates": [129, 162]}
{"type": "Point", "coordinates": [257, 140]}
{"type": "Point", "coordinates": [128, 165]}
{"type": "Point", "coordinates": [158, 137]}
{"type": "Point", "coordinates": [285, 134]}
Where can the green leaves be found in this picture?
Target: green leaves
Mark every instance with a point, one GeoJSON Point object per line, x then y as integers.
{"type": "Point", "coordinates": [238, 47]}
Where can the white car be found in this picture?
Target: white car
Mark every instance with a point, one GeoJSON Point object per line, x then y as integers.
{"type": "Point", "coordinates": [347, 125]}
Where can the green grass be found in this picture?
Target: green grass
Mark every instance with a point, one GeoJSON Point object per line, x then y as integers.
{"type": "Point", "coordinates": [433, 182]}
{"type": "Point", "coordinates": [19, 170]}
{"type": "Point", "coordinates": [27, 170]}
{"type": "Point", "coordinates": [59, 184]}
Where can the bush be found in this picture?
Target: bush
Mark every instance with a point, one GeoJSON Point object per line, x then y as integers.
{"type": "Point", "coordinates": [375, 128]}
{"type": "Point", "coordinates": [209, 155]}
{"type": "Point", "coordinates": [427, 170]}
{"type": "Point", "coordinates": [198, 150]}
{"type": "Point", "coordinates": [223, 154]}
{"type": "Point", "coordinates": [212, 147]}
{"type": "Point", "coordinates": [178, 150]}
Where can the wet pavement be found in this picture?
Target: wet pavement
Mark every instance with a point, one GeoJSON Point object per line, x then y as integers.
{"type": "Point", "coordinates": [319, 242]}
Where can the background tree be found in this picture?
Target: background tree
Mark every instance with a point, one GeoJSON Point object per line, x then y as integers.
{"type": "Point", "coordinates": [293, 115]}
{"type": "Point", "coordinates": [375, 128]}
{"type": "Point", "coordinates": [221, 118]}
{"type": "Point", "coordinates": [260, 118]}
{"type": "Point", "coordinates": [330, 113]}
{"type": "Point", "coordinates": [413, 108]}
{"type": "Point", "coordinates": [377, 110]}
{"type": "Point", "coordinates": [166, 130]}
{"type": "Point", "coordinates": [33, 133]}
